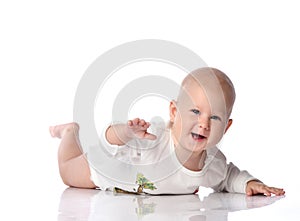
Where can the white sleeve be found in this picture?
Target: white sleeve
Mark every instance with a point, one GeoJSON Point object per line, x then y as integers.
{"type": "Point", "coordinates": [234, 180]}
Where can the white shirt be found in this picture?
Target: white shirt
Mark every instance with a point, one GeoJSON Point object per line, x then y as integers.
{"type": "Point", "coordinates": [163, 173]}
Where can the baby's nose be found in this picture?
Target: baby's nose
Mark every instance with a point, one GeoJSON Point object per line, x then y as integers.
{"type": "Point", "coordinates": [203, 122]}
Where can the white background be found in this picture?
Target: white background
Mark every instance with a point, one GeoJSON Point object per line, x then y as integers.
{"type": "Point", "coordinates": [46, 47]}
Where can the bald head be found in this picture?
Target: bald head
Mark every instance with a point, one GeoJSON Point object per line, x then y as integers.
{"type": "Point", "coordinates": [212, 79]}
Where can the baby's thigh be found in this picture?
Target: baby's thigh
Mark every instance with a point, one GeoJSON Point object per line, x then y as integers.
{"type": "Point", "coordinates": [76, 173]}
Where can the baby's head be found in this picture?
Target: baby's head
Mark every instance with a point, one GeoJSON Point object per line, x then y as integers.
{"type": "Point", "coordinates": [200, 116]}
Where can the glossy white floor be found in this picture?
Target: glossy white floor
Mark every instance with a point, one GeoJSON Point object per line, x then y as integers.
{"type": "Point", "coordinates": [92, 205]}
{"type": "Point", "coordinates": [79, 204]}
{"type": "Point", "coordinates": [58, 202]}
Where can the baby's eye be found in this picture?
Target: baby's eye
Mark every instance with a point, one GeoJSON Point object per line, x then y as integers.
{"type": "Point", "coordinates": [195, 111]}
{"type": "Point", "coordinates": [215, 118]}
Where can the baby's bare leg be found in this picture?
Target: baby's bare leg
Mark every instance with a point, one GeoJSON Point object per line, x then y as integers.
{"type": "Point", "coordinates": [73, 166]}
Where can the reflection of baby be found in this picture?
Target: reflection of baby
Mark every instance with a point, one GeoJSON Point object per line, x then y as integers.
{"type": "Point", "coordinates": [87, 204]}
{"type": "Point", "coordinates": [198, 120]}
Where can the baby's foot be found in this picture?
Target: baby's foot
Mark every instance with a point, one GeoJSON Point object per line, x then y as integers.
{"type": "Point", "coordinates": [58, 130]}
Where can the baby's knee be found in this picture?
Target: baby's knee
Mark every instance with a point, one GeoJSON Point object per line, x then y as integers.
{"type": "Point", "coordinates": [72, 127]}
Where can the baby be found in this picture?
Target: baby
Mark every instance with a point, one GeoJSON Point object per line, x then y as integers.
{"type": "Point", "coordinates": [198, 120]}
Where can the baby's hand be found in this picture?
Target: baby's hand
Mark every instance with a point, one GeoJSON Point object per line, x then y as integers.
{"type": "Point", "coordinates": [138, 128]}
{"type": "Point", "coordinates": [255, 187]}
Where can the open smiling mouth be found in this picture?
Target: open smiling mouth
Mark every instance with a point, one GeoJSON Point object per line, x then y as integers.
{"type": "Point", "coordinates": [198, 137]}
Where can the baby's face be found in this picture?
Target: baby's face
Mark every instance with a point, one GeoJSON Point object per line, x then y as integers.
{"type": "Point", "coordinates": [199, 116]}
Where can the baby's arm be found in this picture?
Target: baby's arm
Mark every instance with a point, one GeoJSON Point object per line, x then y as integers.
{"type": "Point", "coordinates": [235, 177]}
{"type": "Point", "coordinates": [120, 134]}
{"type": "Point", "coordinates": [239, 181]}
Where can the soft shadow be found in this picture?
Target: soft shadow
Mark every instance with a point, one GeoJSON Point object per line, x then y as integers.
{"type": "Point", "coordinates": [86, 204]}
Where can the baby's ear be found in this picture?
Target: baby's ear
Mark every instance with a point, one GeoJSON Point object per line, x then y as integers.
{"type": "Point", "coordinates": [172, 110]}
{"type": "Point", "coordinates": [228, 125]}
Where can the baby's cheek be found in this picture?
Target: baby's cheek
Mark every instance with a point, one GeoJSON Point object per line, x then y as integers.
{"type": "Point", "coordinates": [216, 134]}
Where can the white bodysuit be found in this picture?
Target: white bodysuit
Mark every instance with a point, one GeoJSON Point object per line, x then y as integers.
{"type": "Point", "coordinates": [160, 179]}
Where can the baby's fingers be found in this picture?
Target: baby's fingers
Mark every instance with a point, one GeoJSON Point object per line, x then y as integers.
{"type": "Point", "coordinates": [135, 121]}
{"type": "Point", "coordinates": [276, 191]}
{"type": "Point", "coordinates": [138, 123]}
{"type": "Point", "coordinates": [265, 190]}
{"type": "Point", "coordinates": [143, 123]}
